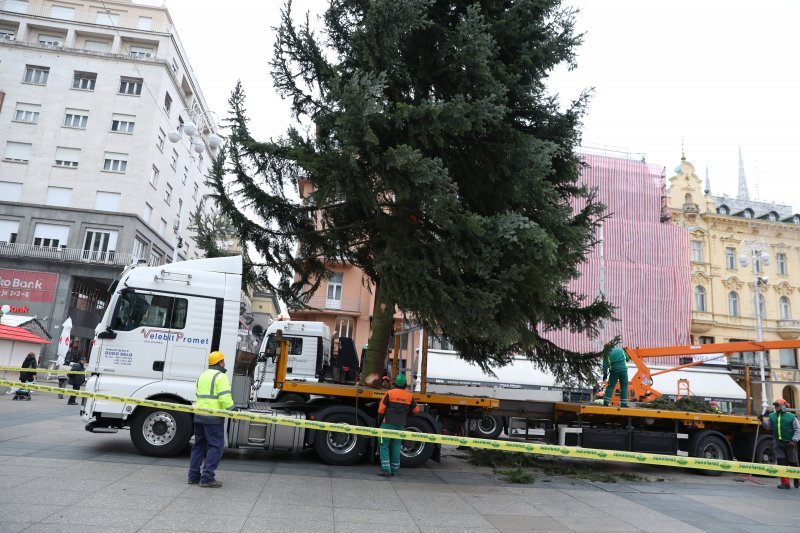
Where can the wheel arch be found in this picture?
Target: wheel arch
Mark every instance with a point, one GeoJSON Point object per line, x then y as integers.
{"type": "Point", "coordinates": [703, 433]}
{"type": "Point", "coordinates": [322, 413]}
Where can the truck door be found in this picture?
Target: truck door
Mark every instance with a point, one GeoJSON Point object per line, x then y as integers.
{"type": "Point", "coordinates": [138, 342]}
{"type": "Point", "coordinates": [187, 357]}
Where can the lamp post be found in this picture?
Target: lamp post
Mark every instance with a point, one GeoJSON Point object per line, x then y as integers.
{"type": "Point", "coordinates": [758, 256]}
{"type": "Point", "coordinates": [200, 130]}
{"type": "Point", "coordinates": [4, 310]}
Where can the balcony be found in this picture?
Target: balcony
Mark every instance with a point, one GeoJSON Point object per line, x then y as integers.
{"type": "Point", "coordinates": [348, 306]}
{"type": "Point", "coordinates": [789, 329]}
{"type": "Point", "coordinates": [21, 44]}
{"type": "Point", "coordinates": [91, 18]}
{"type": "Point", "coordinates": [69, 255]}
{"type": "Point", "coordinates": [691, 208]}
{"type": "Point", "coordinates": [702, 321]}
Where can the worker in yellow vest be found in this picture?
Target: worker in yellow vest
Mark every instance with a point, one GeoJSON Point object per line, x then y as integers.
{"type": "Point", "coordinates": [213, 391]}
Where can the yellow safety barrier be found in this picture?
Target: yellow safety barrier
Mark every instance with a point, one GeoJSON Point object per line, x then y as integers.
{"type": "Point", "coordinates": [50, 370]}
{"type": "Point", "coordinates": [522, 447]}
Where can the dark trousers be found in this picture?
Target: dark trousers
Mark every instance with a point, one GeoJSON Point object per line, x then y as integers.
{"type": "Point", "coordinates": [390, 450]}
{"type": "Point", "coordinates": [72, 398]}
{"type": "Point", "coordinates": [61, 383]}
{"type": "Point", "coordinates": [209, 441]}
{"type": "Point", "coordinates": [613, 377]}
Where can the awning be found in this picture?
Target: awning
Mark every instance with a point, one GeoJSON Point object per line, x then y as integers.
{"type": "Point", "coordinates": [16, 334]}
{"type": "Point", "coordinates": [705, 384]}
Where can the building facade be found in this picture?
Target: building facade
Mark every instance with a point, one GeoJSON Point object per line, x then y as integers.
{"type": "Point", "coordinates": [725, 287]}
{"type": "Point", "coordinates": [97, 167]}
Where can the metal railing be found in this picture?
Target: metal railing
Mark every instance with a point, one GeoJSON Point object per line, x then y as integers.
{"type": "Point", "coordinates": [347, 305]}
{"type": "Point", "coordinates": [73, 255]}
{"type": "Point", "coordinates": [90, 18]}
{"type": "Point", "coordinates": [82, 51]}
{"type": "Point", "coordinates": [691, 208]}
{"type": "Point", "coordinates": [789, 324]}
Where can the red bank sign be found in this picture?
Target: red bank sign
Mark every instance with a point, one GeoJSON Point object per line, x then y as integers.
{"type": "Point", "coordinates": [27, 285]}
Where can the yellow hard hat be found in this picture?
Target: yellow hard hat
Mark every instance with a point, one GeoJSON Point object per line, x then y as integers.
{"type": "Point", "coordinates": [215, 357]}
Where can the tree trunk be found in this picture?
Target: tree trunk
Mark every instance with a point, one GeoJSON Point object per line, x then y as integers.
{"type": "Point", "coordinates": [380, 333]}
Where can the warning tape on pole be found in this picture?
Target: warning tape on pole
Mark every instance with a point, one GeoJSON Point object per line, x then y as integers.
{"type": "Point", "coordinates": [509, 446]}
{"type": "Point", "coordinates": [43, 370]}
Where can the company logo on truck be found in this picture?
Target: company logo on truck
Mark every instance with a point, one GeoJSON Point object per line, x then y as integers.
{"type": "Point", "coordinates": [161, 335]}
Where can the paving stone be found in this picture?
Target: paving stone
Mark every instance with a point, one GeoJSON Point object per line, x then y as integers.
{"type": "Point", "coordinates": [27, 512]}
{"type": "Point", "coordinates": [278, 524]}
{"type": "Point", "coordinates": [449, 519]}
{"type": "Point", "coordinates": [13, 527]}
{"type": "Point", "coordinates": [183, 521]}
{"type": "Point", "coordinates": [82, 515]}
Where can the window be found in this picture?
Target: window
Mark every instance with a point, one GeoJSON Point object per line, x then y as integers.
{"type": "Point", "coordinates": [730, 258]}
{"type": "Point", "coordinates": [762, 308]}
{"type": "Point", "coordinates": [6, 34]}
{"type": "Point", "coordinates": [167, 102]}
{"type": "Point", "coordinates": [699, 299]}
{"type": "Point", "coordinates": [162, 227]}
{"type": "Point", "coordinates": [58, 196]}
{"type": "Point", "coordinates": [148, 212]}
{"type": "Point", "coordinates": [97, 46]}
{"type": "Point", "coordinates": [122, 123]}
{"type": "Point", "coordinates": [747, 213]}
{"type": "Point", "coordinates": [63, 13]}
{"type": "Point", "coordinates": [155, 258]}
{"type": "Point", "coordinates": [10, 191]}
{"type": "Point", "coordinates": [139, 249]}
{"type": "Point", "coordinates": [154, 175]}
{"type": "Point", "coordinates": [99, 245]}
{"type": "Point", "coordinates": [723, 210]}
{"type": "Point", "coordinates": [67, 157]}
{"type": "Point", "coordinates": [27, 113]}
{"type": "Point", "coordinates": [697, 251]}
{"type": "Point", "coordinates": [160, 139]}
{"type": "Point", "coordinates": [334, 299]}
{"type": "Point", "coordinates": [76, 118]}
{"type": "Point", "coordinates": [109, 19]}
{"type": "Point", "coordinates": [173, 162]}
{"type": "Point", "coordinates": [9, 230]}
{"type": "Point", "coordinates": [773, 216]}
{"type": "Point", "coordinates": [36, 75]}
{"type": "Point", "coordinates": [135, 310]}
{"type": "Point", "coordinates": [295, 344]}
{"type": "Point", "coordinates": [781, 260]}
{"type": "Point", "coordinates": [17, 152]}
{"type": "Point", "coordinates": [132, 86]}
{"type": "Point", "coordinates": [114, 162]}
{"type": "Point", "coordinates": [140, 52]}
{"type": "Point", "coordinates": [50, 235]}
{"type": "Point", "coordinates": [733, 304]}
{"type": "Point", "coordinates": [194, 192]}
{"type": "Point", "coordinates": [785, 308]}
{"type": "Point", "coordinates": [174, 66]}
{"type": "Point", "coordinates": [144, 23]}
{"type": "Point", "coordinates": [168, 194]}
{"type": "Point", "coordinates": [180, 208]}
{"type": "Point", "coordinates": [788, 357]}
{"type": "Point", "coordinates": [84, 81]}
{"type": "Point", "coordinates": [796, 219]}
{"type": "Point", "coordinates": [185, 175]}
{"type": "Point", "coordinates": [46, 242]}
{"type": "Point", "coordinates": [16, 6]}
{"type": "Point", "coordinates": [107, 201]}
{"type": "Point", "coordinates": [50, 40]}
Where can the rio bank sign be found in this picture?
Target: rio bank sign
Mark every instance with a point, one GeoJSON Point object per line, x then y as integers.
{"type": "Point", "coordinates": [27, 286]}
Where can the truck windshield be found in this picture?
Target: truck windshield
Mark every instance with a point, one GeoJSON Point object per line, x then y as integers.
{"type": "Point", "coordinates": [149, 310]}
{"type": "Point", "coordinates": [295, 345]}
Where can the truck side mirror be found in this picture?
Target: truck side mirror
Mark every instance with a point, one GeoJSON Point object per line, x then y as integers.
{"type": "Point", "coordinates": [107, 334]}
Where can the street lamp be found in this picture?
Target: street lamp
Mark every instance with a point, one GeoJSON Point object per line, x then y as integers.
{"type": "Point", "coordinates": [200, 129]}
{"type": "Point", "coordinates": [758, 256]}
{"type": "Point", "coordinates": [4, 311]}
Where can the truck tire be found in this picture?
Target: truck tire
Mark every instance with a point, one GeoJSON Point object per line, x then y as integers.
{"type": "Point", "coordinates": [415, 453]}
{"type": "Point", "coordinates": [292, 398]}
{"type": "Point", "coordinates": [488, 427]}
{"type": "Point", "coordinates": [764, 452]}
{"type": "Point", "coordinates": [160, 433]}
{"type": "Point", "coordinates": [340, 449]}
{"type": "Point", "coordinates": [709, 445]}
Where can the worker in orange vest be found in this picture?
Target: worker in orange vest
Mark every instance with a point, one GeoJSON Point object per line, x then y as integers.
{"type": "Point", "coordinates": [395, 406]}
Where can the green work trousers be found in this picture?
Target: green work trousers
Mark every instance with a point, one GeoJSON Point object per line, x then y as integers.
{"type": "Point", "coordinates": [390, 450]}
{"type": "Point", "coordinates": [613, 377]}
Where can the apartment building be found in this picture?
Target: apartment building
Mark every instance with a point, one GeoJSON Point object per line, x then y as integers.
{"type": "Point", "coordinates": [105, 140]}
{"type": "Point", "coordinates": [728, 237]}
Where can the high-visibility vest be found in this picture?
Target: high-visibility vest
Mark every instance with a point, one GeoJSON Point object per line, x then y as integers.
{"type": "Point", "coordinates": [782, 425]}
{"type": "Point", "coordinates": [212, 391]}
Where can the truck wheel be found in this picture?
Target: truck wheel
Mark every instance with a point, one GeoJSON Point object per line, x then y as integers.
{"type": "Point", "coordinates": [414, 453]}
{"type": "Point", "coordinates": [291, 398]}
{"type": "Point", "coordinates": [339, 449]}
{"type": "Point", "coordinates": [764, 452]}
{"type": "Point", "coordinates": [710, 446]}
{"type": "Point", "coordinates": [160, 433]}
{"type": "Point", "coordinates": [489, 427]}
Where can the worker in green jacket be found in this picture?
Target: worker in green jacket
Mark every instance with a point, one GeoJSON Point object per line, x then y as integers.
{"type": "Point", "coordinates": [786, 434]}
{"type": "Point", "coordinates": [615, 368]}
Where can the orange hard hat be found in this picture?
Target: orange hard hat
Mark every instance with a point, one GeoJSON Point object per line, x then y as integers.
{"type": "Point", "coordinates": [713, 403]}
{"type": "Point", "coordinates": [780, 401]}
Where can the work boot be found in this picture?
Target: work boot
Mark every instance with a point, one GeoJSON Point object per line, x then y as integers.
{"type": "Point", "coordinates": [384, 473]}
{"type": "Point", "coordinates": [784, 483]}
{"type": "Point", "coordinates": [797, 483]}
{"type": "Point", "coordinates": [193, 482]}
{"type": "Point", "coordinates": [212, 484]}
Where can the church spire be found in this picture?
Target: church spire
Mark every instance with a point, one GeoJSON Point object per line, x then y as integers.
{"type": "Point", "coordinates": [743, 195]}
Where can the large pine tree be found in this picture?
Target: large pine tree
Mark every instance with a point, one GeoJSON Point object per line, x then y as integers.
{"type": "Point", "coordinates": [440, 165]}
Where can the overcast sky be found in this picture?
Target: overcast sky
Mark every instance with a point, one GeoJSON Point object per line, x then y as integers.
{"type": "Point", "coordinates": [710, 75]}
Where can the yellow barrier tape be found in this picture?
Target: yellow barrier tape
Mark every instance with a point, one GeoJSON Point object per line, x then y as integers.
{"type": "Point", "coordinates": [522, 447]}
{"type": "Point", "coordinates": [50, 370]}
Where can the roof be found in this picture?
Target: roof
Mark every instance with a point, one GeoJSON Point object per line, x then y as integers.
{"type": "Point", "coordinates": [13, 333]}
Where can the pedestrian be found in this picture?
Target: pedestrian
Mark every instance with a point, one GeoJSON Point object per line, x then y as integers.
{"type": "Point", "coordinates": [76, 380]}
{"type": "Point", "coordinates": [62, 378]}
{"type": "Point", "coordinates": [615, 369]}
{"type": "Point", "coordinates": [785, 433]}
{"type": "Point", "coordinates": [715, 407]}
{"type": "Point", "coordinates": [29, 362]}
{"type": "Point", "coordinates": [212, 391]}
{"type": "Point", "coordinates": [395, 406]}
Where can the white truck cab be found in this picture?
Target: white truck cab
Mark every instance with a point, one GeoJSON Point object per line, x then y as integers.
{"type": "Point", "coordinates": [309, 354]}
